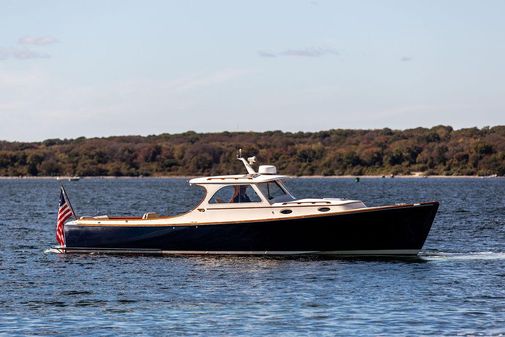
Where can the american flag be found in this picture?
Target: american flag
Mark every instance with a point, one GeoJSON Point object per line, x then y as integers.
{"type": "Point", "coordinates": [65, 211]}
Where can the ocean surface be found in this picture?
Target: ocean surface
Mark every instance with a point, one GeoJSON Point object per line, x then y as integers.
{"type": "Point", "coordinates": [455, 288]}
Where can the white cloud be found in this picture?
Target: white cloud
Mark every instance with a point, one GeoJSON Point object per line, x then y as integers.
{"type": "Point", "coordinates": [301, 52]}
{"type": "Point", "coordinates": [37, 40]}
{"type": "Point", "coordinates": [217, 77]}
{"type": "Point", "coordinates": [264, 53]}
{"type": "Point", "coordinates": [21, 54]}
{"type": "Point", "coordinates": [48, 107]}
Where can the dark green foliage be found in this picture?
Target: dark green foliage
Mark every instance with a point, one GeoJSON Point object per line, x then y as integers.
{"type": "Point", "coordinates": [438, 150]}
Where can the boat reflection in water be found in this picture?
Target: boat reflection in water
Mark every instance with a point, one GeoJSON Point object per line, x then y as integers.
{"type": "Point", "coordinates": [255, 214]}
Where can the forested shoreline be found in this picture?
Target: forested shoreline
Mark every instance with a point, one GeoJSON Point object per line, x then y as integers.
{"type": "Point", "coordinates": [439, 150]}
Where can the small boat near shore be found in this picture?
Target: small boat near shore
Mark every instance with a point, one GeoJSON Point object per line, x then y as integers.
{"type": "Point", "coordinates": [255, 214]}
{"type": "Point", "coordinates": [74, 178]}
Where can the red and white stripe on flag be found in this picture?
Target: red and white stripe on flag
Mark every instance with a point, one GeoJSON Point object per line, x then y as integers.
{"type": "Point", "coordinates": [64, 212]}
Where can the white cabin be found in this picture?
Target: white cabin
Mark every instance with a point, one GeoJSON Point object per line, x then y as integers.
{"type": "Point", "coordinates": [249, 197]}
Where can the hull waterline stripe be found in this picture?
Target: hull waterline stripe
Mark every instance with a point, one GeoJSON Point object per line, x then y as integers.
{"type": "Point", "coordinates": [202, 252]}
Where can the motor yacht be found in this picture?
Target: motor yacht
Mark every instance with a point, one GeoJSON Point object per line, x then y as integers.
{"type": "Point", "coordinates": [255, 214]}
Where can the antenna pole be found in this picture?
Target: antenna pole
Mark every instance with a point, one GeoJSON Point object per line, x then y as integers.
{"type": "Point", "coordinates": [248, 167]}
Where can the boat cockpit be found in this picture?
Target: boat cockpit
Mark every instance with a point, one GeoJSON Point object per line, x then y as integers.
{"type": "Point", "coordinates": [263, 187]}
{"type": "Point", "coordinates": [271, 192]}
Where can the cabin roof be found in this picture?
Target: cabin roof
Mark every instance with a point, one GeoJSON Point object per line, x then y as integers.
{"type": "Point", "coordinates": [237, 179]}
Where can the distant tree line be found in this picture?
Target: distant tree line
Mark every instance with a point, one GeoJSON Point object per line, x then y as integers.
{"type": "Point", "coordinates": [439, 150]}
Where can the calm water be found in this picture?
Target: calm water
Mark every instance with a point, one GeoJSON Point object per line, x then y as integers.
{"type": "Point", "coordinates": [457, 287]}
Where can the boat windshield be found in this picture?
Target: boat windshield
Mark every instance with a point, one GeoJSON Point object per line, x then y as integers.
{"type": "Point", "coordinates": [274, 192]}
{"type": "Point", "coordinates": [235, 194]}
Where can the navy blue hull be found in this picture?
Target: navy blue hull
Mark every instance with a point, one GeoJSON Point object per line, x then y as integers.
{"type": "Point", "coordinates": [400, 228]}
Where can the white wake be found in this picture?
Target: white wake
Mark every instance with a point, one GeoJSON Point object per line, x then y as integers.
{"type": "Point", "coordinates": [442, 256]}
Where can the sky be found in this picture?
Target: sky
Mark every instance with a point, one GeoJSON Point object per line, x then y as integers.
{"type": "Point", "coordinates": [118, 67]}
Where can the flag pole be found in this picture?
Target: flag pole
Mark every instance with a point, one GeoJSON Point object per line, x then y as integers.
{"type": "Point", "coordinates": [68, 200]}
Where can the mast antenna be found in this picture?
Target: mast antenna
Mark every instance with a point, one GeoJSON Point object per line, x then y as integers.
{"type": "Point", "coordinates": [247, 163]}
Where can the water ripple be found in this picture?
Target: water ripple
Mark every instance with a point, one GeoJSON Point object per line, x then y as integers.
{"type": "Point", "coordinates": [455, 288]}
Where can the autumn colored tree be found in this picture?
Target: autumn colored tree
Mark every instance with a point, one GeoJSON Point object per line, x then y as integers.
{"type": "Point", "coordinates": [437, 150]}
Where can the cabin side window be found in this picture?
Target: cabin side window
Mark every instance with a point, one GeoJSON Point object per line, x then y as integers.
{"type": "Point", "coordinates": [273, 192]}
{"type": "Point", "coordinates": [235, 194]}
